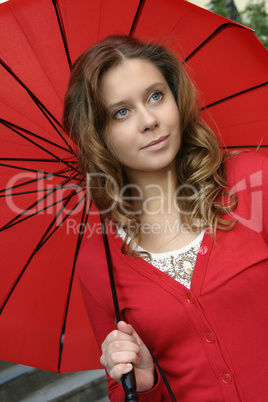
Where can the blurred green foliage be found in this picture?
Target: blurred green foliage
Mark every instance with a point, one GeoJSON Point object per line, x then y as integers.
{"type": "Point", "coordinates": [256, 16]}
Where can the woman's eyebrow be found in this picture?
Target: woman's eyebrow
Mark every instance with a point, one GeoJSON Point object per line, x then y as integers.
{"type": "Point", "coordinates": [153, 86]}
{"type": "Point", "coordinates": [126, 101]}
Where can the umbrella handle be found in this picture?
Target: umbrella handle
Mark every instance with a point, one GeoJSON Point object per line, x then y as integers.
{"type": "Point", "coordinates": [129, 385]}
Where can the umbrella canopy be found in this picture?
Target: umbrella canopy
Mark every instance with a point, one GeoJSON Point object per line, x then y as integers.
{"type": "Point", "coordinates": [46, 215]}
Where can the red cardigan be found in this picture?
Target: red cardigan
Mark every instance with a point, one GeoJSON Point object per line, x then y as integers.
{"type": "Point", "coordinates": [211, 341]}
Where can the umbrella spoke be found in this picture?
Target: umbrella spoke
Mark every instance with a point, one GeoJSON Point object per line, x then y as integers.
{"type": "Point", "coordinates": [16, 220]}
{"type": "Point", "coordinates": [49, 116]}
{"type": "Point", "coordinates": [136, 18]}
{"type": "Point", "coordinates": [84, 219]}
{"type": "Point", "coordinates": [34, 160]}
{"type": "Point", "coordinates": [59, 223]}
{"type": "Point", "coordinates": [57, 158]}
{"type": "Point", "coordinates": [234, 95]}
{"type": "Point", "coordinates": [15, 127]}
{"type": "Point", "coordinates": [25, 183]}
{"type": "Point", "coordinates": [245, 146]}
{"type": "Point", "coordinates": [36, 192]}
{"type": "Point", "coordinates": [55, 225]}
{"type": "Point", "coordinates": [219, 29]}
{"type": "Point", "coordinates": [34, 170]}
{"type": "Point", "coordinates": [62, 30]}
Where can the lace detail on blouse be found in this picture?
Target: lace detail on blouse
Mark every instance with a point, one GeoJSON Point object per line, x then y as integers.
{"type": "Point", "coordinates": [178, 264]}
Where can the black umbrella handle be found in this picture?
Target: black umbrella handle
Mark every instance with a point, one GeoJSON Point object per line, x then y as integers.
{"type": "Point", "coordinates": [128, 380]}
{"type": "Point", "coordinates": [129, 386]}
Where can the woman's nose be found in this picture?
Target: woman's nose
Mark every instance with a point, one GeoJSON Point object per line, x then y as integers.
{"type": "Point", "coordinates": [148, 120]}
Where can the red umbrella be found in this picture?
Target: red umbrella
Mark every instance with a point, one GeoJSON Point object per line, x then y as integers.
{"type": "Point", "coordinates": [45, 213]}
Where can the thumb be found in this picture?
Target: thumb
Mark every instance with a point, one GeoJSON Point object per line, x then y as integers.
{"type": "Point", "coordinates": [128, 329]}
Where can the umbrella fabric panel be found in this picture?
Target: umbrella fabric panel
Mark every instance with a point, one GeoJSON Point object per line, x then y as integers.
{"type": "Point", "coordinates": [18, 142]}
{"type": "Point", "coordinates": [230, 63]}
{"type": "Point", "coordinates": [215, 47]}
{"type": "Point", "coordinates": [26, 194]}
{"type": "Point", "coordinates": [248, 126]}
{"type": "Point", "coordinates": [87, 22]}
{"type": "Point", "coordinates": [25, 237]}
{"type": "Point", "coordinates": [79, 332]}
{"type": "Point", "coordinates": [32, 47]}
{"type": "Point", "coordinates": [18, 108]}
{"type": "Point", "coordinates": [34, 303]}
{"type": "Point", "coordinates": [179, 24]}
{"type": "Point", "coordinates": [36, 310]}
{"type": "Point", "coordinates": [55, 214]}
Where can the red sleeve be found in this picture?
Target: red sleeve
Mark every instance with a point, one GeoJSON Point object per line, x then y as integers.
{"type": "Point", "coordinates": [265, 196]}
{"type": "Point", "coordinates": [103, 323]}
{"type": "Point", "coordinates": [247, 175]}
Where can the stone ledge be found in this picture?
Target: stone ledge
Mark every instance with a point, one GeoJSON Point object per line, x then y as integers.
{"type": "Point", "coordinates": [65, 386]}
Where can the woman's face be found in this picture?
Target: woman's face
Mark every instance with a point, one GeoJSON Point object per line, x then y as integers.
{"type": "Point", "coordinates": [144, 132]}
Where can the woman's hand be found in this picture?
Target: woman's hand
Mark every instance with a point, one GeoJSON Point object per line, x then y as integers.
{"type": "Point", "coordinates": [123, 347]}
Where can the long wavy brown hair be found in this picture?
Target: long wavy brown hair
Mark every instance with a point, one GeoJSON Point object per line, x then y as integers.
{"type": "Point", "coordinates": [199, 162]}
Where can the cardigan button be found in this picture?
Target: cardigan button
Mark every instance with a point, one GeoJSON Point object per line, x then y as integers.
{"type": "Point", "coordinates": [226, 378]}
{"type": "Point", "coordinates": [203, 250]}
{"type": "Point", "coordinates": [210, 338]}
{"type": "Point", "coordinates": [190, 298]}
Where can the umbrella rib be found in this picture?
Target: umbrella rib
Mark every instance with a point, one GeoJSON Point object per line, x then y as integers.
{"type": "Point", "coordinates": [16, 220]}
{"type": "Point", "coordinates": [19, 185]}
{"type": "Point", "coordinates": [32, 160]}
{"type": "Point", "coordinates": [12, 127]}
{"type": "Point", "coordinates": [34, 170]}
{"type": "Point", "coordinates": [219, 29]}
{"type": "Point", "coordinates": [68, 198]}
{"type": "Point", "coordinates": [41, 242]}
{"type": "Point", "coordinates": [49, 116]}
{"type": "Point", "coordinates": [245, 146]}
{"type": "Point", "coordinates": [84, 220]}
{"type": "Point", "coordinates": [234, 95]}
{"type": "Point", "coordinates": [36, 192]}
{"type": "Point", "coordinates": [38, 145]}
{"type": "Point", "coordinates": [137, 17]}
{"type": "Point", "coordinates": [45, 175]}
{"type": "Point", "coordinates": [15, 130]}
{"type": "Point", "coordinates": [62, 30]}
{"type": "Point", "coordinates": [13, 222]}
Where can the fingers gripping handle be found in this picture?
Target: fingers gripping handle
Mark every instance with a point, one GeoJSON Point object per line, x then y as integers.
{"type": "Point", "coordinates": [129, 386]}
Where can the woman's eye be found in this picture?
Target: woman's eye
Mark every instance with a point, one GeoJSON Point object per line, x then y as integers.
{"type": "Point", "coordinates": [156, 96]}
{"type": "Point", "coordinates": [120, 114]}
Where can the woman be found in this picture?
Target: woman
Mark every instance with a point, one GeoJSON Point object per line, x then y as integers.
{"type": "Point", "coordinates": [187, 231]}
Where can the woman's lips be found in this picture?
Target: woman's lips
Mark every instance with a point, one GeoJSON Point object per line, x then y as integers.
{"type": "Point", "coordinates": [157, 144]}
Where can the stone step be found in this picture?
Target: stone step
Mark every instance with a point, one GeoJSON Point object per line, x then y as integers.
{"type": "Point", "coordinates": [26, 384]}
{"type": "Point", "coordinates": [4, 365]}
{"type": "Point", "coordinates": [82, 386]}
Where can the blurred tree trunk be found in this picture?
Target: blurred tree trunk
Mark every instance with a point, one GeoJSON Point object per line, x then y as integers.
{"type": "Point", "coordinates": [232, 12]}
{"type": "Point", "coordinates": [226, 8]}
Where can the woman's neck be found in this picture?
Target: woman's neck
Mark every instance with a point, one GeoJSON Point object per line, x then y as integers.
{"type": "Point", "coordinates": [154, 191]}
{"type": "Point", "coordinates": [155, 202]}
